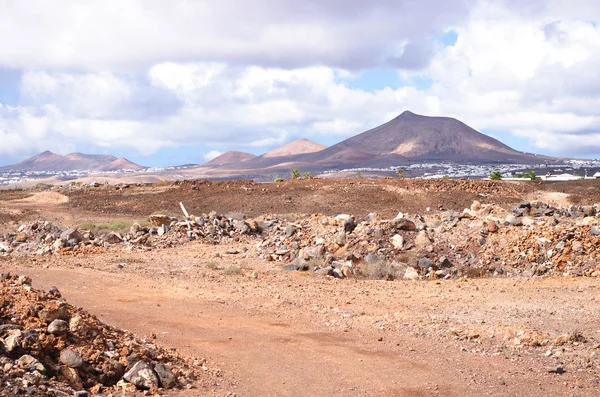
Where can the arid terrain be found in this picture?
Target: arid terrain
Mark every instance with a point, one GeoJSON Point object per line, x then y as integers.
{"type": "Point", "coordinates": [320, 287]}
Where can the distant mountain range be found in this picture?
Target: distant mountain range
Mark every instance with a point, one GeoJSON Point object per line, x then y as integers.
{"type": "Point", "coordinates": [407, 139]}
{"type": "Point", "coordinates": [52, 162]}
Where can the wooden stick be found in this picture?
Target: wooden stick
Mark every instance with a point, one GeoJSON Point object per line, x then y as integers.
{"type": "Point", "coordinates": [184, 211]}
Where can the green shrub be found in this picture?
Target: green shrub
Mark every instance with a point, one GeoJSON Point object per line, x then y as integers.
{"type": "Point", "coordinates": [495, 176]}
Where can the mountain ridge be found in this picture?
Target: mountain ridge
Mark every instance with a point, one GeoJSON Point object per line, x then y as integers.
{"type": "Point", "coordinates": [48, 161]}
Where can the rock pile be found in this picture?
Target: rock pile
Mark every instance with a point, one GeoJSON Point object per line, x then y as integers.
{"type": "Point", "coordinates": [50, 348]}
{"type": "Point", "coordinates": [43, 237]}
{"type": "Point", "coordinates": [533, 239]}
{"type": "Point", "coordinates": [483, 240]}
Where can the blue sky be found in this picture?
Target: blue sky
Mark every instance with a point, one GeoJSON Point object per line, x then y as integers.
{"type": "Point", "coordinates": [180, 88]}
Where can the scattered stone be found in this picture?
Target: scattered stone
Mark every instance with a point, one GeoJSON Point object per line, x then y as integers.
{"type": "Point", "coordinates": [556, 370]}
{"type": "Point", "coordinates": [30, 363]}
{"type": "Point", "coordinates": [411, 274]}
{"type": "Point", "coordinates": [297, 264]}
{"type": "Point", "coordinates": [70, 358]}
{"type": "Point", "coordinates": [404, 224]}
{"type": "Point", "coordinates": [290, 230]}
{"type": "Point", "coordinates": [58, 327]}
{"type": "Point", "coordinates": [112, 238]}
{"type": "Point", "coordinates": [165, 376]}
{"type": "Point", "coordinates": [397, 241]}
{"type": "Point", "coordinates": [142, 376]}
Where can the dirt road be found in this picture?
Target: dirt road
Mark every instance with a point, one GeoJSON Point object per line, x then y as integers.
{"type": "Point", "coordinates": [296, 335]}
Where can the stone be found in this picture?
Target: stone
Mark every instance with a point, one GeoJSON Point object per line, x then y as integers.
{"type": "Point", "coordinates": [54, 292]}
{"type": "Point", "coordinates": [346, 269]}
{"type": "Point", "coordinates": [10, 337]}
{"type": "Point", "coordinates": [349, 225]}
{"type": "Point", "coordinates": [324, 271]}
{"type": "Point", "coordinates": [126, 387]}
{"type": "Point", "coordinates": [556, 370]}
{"type": "Point", "coordinates": [595, 230]}
{"type": "Point", "coordinates": [492, 227]}
{"type": "Point", "coordinates": [450, 216]}
{"type": "Point", "coordinates": [241, 227]}
{"type": "Point", "coordinates": [341, 217]}
{"type": "Point", "coordinates": [371, 218]}
{"type": "Point", "coordinates": [404, 224]}
{"type": "Point", "coordinates": [372, 258]}
{"type": "Point", "coordinates": [524, 204]}
{"type": "Point", "coordinates": [112, 372]}
{"type": "Point", "coordinates": [81, 393]}
{"type": "Point", "coordinates": [411, 274]}
{"type": "Point", "coordinates": [113, 238]}
{"type": "Point", "coordinates": [70, 376]}
{"type": "Point", "coordinates": [142, 376]}
{"type": "Point", "coordinates": [290, 230]}
{"type": "Point", "coordinates": [58, 244]}
{"type": "Point", "coordinates": [70, 358]}
{"type": "Point", "coordinates": [161, 220]}
{"type": "Point", "coordinates": [337, 273]}
{"type": "Point", "coordinates": [236, 216]}
{"type": "Point", "coordinates": [58, 327]}
{"type": "Point", "coordinates": [341, 238]}
{"type": "Point", "coordinates": [297, 264]}
{"type": "Point", "coordinates": [54, 311]}
{"type": "Point", "coordinates": [314, 252]}
{"type": "Point", "coordinates": [469, 214]}
{"type": "Point", "coordinates": [424, 263]}
{"type": "Point", "coordinates": [71, 233]}
{"type": "Point", "coordinates": [397, 241]}
{"type": "Point", "coordinates": [513, 220]}
{"type": "Point", "coordinates": [165, 376]}
{"type": "Point", "coordinates": [135, 229]}
{"type": "Point", "coordinates": [30, 363]}
{"type": "Point", "coordinates": [527, 221]}
{"type": "Point", "coordinates": [475, 206]}
{"type": "Point", "coordinates": [21, 238]}
{"type": "Point", "coordinates": [422, 240]}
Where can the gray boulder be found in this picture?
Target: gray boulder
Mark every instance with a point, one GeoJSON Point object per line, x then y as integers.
{"type": "Point", "coordinates": [165, 376]}
{"type": "Point", "coordinates": [142, 376]}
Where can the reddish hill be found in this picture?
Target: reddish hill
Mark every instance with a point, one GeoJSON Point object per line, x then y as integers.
{"type": "Point", "coordinates": [229, 157]}
{"type": "Point", "coordinates": [52, 162]}
{"type": "Point", "coordinates": [299, 146]}
{"type": "Point", "coordinates": [121, 164]}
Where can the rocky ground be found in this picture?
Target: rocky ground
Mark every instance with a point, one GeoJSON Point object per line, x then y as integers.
{"type": "Point", "coordinates": [469, 287]}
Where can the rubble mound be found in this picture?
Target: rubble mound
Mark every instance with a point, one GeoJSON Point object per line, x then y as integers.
{"type": "Point", "coordinates": [50, 348]}
{"type": "Point", "coordinates": [532, 239]}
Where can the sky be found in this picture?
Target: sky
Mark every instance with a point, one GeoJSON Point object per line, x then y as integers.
{"type": "Point", "coordinates": [173, 82]}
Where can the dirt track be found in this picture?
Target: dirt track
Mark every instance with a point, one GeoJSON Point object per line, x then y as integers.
{"type": "Point", "coordinates": [283, 334]}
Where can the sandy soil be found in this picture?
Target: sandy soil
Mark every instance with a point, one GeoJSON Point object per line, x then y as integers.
{"type": "Point", "coordinates": [294, 334]}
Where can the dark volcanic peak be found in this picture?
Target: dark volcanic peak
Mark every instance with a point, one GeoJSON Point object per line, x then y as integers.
{"type": "Point", "coordinates": [407, 139]}
{"type": "Point", "coordinates": [232, 156]}
{"type": "Point", "coordinates": [413, 136]}
{"type": "Point", "coordinates": [51, 162]}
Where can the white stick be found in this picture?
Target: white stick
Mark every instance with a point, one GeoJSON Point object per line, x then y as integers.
{"type": "Point", "coordinates": [184, 211]}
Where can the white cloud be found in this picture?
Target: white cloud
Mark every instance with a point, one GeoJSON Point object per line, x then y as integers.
{"type": "Point", "coordinates": [144, 84]}
{"type": "Point", "coordinates": [112, 34]}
